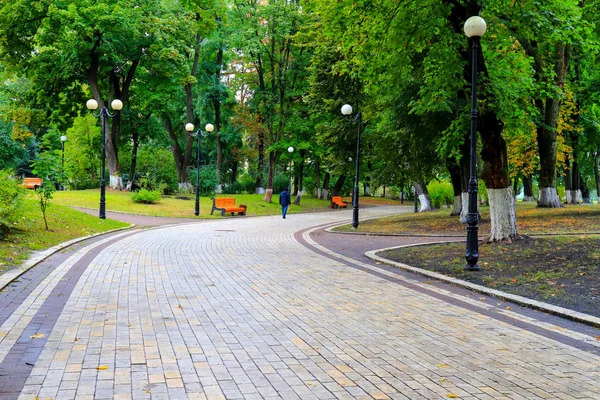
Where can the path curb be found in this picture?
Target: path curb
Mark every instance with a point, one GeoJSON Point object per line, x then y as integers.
{"type": "Point", "coordinates": [8, 277]}
{"type": "Point", "coordinates": [520, 300]}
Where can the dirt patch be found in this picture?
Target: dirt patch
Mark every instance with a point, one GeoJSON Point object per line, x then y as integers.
{"type": "Point", "coordinates": [564, 271]}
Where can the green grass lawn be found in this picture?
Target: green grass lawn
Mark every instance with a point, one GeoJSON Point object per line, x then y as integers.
{"type": "Point", "coordinates": [530, 220]}
{"type": "Point", "coordinates": [30, 233]}
{"type": "Point", "coordinates": [181, 206]}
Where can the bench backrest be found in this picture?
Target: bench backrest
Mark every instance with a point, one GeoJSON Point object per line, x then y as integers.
{"type": "Point", "coordinates": [336, 199]}
{"type": "Point", "coordinates": [224, 201]}
{"type": "Point", "coordinates": [32, 180]}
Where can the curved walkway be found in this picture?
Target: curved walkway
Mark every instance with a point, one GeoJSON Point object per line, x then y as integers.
{"type": "Point", "coordinates": [256, 308]}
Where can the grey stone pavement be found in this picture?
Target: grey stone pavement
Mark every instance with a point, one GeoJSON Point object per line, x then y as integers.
{"type": "Point", "coordinates": [253, 308]}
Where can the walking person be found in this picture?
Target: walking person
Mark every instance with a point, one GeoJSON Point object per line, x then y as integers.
{"type": "Point", "coordinates": [285, 201]}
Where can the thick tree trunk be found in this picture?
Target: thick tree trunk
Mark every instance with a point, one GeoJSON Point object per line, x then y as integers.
{"type": "Point", "coordinates": [503, 216]}
{"type": "Point", "coordinates": [546, 136]}
{"type": "Point", "coordinates": [335, 191]}
{"type": "Point", "coordinates": [134, 149]}
{"type": "Point", "coordinates": [269, 192]}
{"type": "Point", "coordinates": [528, 188]}
{"type": "Point", "coordinates": [235, 164]}
{"type": "Point", "coordinates": [178, 155]}
{"type": "Point", "coordinates": [424, 198]}
{"type": "Point", "coordinates": [584, 191]}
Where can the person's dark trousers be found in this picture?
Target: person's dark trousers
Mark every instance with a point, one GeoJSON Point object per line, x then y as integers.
{"type": "Point", "coordinates": [284, 210]}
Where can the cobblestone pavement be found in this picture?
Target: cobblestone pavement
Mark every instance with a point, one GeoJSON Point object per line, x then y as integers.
{"type": "Point", "coordinates": [250, 308]}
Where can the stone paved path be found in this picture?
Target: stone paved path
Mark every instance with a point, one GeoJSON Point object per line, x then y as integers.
{"type": "Point", "coordinates": [251, 308]}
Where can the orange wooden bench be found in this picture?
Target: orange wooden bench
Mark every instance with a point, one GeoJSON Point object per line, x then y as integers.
{"type": "Point", "coordinates": [336, 202]}
{"type": "Point", "coordinates": [227, 204]}
{"type": "Point", "coordinates": [32, 183]}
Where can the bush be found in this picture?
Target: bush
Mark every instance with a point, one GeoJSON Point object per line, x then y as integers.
{"type": "Point", "coordinates": [208, 179]}
{"type": "Point", "coordinates": [280, 182]}
{"type": "Point", "coordinates": [146, 196]}
{"type": "Point", "coordinates": [157, 170]}
{"type": "Point", "coordinates": [441, 193]}
{"type": "Point", "coordinates": [11, 202]}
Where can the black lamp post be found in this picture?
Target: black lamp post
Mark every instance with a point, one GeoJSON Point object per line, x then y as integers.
{"type": "Point", "coordinates": [92, 105]}
{"type": "Point", "coordinates": [189, 127]}
{"type": "Point", "coordinates": [291, 151]}
{"type": "Point", "coordinates": [347, 111]}
{"type": "Point", "coordinates": [474, 29]}
{"type": "Point", "coordinates": [63, 139]}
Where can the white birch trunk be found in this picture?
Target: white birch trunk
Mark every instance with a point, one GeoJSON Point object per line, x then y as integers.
{"type": "Point", "coordinates": [115, 182]}
{"type": "Point", "coordinates": [465, 210]}
{"type": "Point", "coordinates": [528, 198]}
{"type": "Point", "coordinates": [456, 210]}
{"type": "Point", "coordinates": [503, 215]}
{"type": "Point", "coordinates": [318, 193]}
{"type": "Point", "coordinates": [425, 203]}
{"type": "Point", "coordinates": [260, 190]}
{"type": "Point", "coordinates": [324, 194]}
{"type": "Point", "coordinates": [549, 198]}
{"type": "Point", "coordinates": [219, 189]}
{"type": "Point", "coordinates": [367, 190]}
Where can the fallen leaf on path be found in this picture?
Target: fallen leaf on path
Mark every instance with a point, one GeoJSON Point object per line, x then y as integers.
{"type": "Point", "coordinates": [451, 396]}
{"type": "Point", "coordinates": [443, 365]}
{"type": "Point", "coordinates": [597, 338]}
{"type": "Point", "coordinates": [102, 367]}
{"type": "Point", "coordinates": [508, 308]}
{"type": "Point", "coordinates": [37, 336]}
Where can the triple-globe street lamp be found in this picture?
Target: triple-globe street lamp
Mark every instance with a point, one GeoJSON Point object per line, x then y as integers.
{"type": "Point", "coordinates": [475, 28]}
{"type": "Point", "coordinates": [189, 127]}
{"type": "Point", "coordinates": [347, 111]}
{"type": "Point", "coordinates": [92, 105]}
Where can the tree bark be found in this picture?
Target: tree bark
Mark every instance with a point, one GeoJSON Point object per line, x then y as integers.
{"type": "Point", "coordinates": [454, 170]}
{"type": "Point", "coordinates": [178, 154]}
{"type": "Point", "coordinates": [528, 188]}
{"type": "Point", "coordinates": [134, 150]}
{"type": "Point", "coordinates": [325, 189]}
{"type": "Point", "coordinates": [546, 132]}
{"type": "Point", "coordinates": [502, 215]}
{"type": "Point", "coordinates": [424, 198]}
{"type": "Point", "coordinates": [217, 106]}
{"type": "Point", "coordinates": [269, 192]}
{"type": "Point", "coordinates": [335, 191]}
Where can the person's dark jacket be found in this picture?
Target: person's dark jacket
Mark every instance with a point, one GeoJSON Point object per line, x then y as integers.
{"type": "Point", "coordinates": [284, 198]}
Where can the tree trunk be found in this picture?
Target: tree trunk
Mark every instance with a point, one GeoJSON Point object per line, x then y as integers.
{"type": "Point", "coordinates": [325, 189]}
{"type": "Point", "coordinates": [261, 162]}
{"type": "Point", "coordinates": [424, 198]}
{"type": "Point", "coordinates": [217, 106]}
{"type": "Point", "coordinates": [335, 191]}
{"type": "Point", "coordinates": [597, 173]}
{"type": "Point", "coordinates": [528, 188]}
{"type": "Point", "coordinates": [454, 170]}
{"type": "Point", "coordinates": [134, 149]}
{"type": "Point", "coordinates": [502, 215]}
{"type": "Point", "coordinates": [584, 191]}
{"type": "Point", "coordinates": [546, 132]}
{"type": "Point", "coordinates": [235, 163]}
{"type": "Point", "coordinates": [269, 192]}
{"type": "Point", "coordinates": [318, 178]}
{"type": "Point", "coordinates": [178, 155]}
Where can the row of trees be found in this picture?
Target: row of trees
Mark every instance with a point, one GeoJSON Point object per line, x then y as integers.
{"type": "Point", "coordinates": [273, 74]}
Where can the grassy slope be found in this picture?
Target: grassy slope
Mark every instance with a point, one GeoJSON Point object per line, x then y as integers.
{"type": "Point", "coordinates": [30, 234]}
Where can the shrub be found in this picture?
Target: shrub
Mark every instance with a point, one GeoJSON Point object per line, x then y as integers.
{"type": "Point", "coordinates": [146, 197]}
{"type": "Point", "coordinates": [441, 193]}
{"type": "Point", "coordinates": [156, 169]}
{"type": "Point", "coordinates": [208, 179]}
{"type": "Point", "coordinates": [11, 202]}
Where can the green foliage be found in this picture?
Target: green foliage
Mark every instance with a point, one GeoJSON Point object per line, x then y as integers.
{"type": "Point", "coordinates": [208, 179]}
{"type": "Point", "coordinates": [83, 150]}
{"type": "Point", "coordinates": [280, 182]}
{"type": "Point", "coordinates": [245, 184]}
{"type": "Point", "coordinates": [11, 202]}
{"type": "Point", "coordinates": [146, 196]}
{"type": "Point", "coordinates": [12, 153]}
{"type": "Point", "coordinates": [47, 166]}
{"type": "Point", "coordinates": [156, 169]}
{"type": "Point", "coordinates": [441, 194]}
